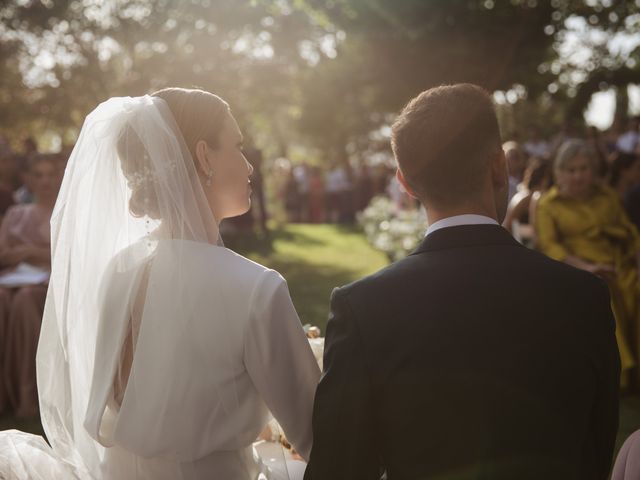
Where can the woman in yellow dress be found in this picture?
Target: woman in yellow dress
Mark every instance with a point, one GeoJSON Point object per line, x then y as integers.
{"type": "Point", "coordinates": [581, 222]}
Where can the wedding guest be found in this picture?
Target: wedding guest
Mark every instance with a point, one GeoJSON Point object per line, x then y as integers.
{"type": "Point", "coordinates": [301, 173]}
{"type": "Point", "coordinates": [336, 185]}
{"type": "Point", "coordinates": [63, 157]}
{"type": "Point", "coordinates": [8, 173]}
{"type": "Point", "coordinates": [567, 132]}
{"type": "Point", "coordinates": [25, 238]}
{"type": "Point", "coordinates": [29, 146]}
{"type": "Point", "coordinates": [632, 205]}
{"type": "Point", "coordinates": [22, 193]}
{"type": "Point", "coordinates": [516, 164]}
{"type": "Point", "coordinates": [628, 142]}
{"type": "Point", "coordinates": [537, 178]}
{"type": "Point", "coordinates": [624, 173]}
{"type": "Point", "coordinates": [595, 141]}
{"type": "Point", "coordinates": [254, 157]}
{"type": "Point", "coordinates": [627, 466]}
{"type": "Point", "coordinates": [364, 187]}
{"type": "Point", "coordinates": [536, 146]}
{"type": "Point", "coordinates": [257, 210]}
{"type": "Point", "coordinates": [317, 212]}
{"type": "Point", "coordinates": [347, 197]}
{"type": "Point", "coordinates": [611, 135]}
{"type": "Point", "coordinates": [291, 196]}
{"type": "Point", "coordinates": [381, 178]}
{"type": "Point", "coordinates": [624, 178]}
{"type": "Point", "coordinates": [581, 221]}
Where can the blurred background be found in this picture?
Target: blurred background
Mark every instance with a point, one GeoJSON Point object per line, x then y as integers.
{"type": "Point", "coordinates": [319, 80]}
{"type": "Point", "coordinates": [315, 86]}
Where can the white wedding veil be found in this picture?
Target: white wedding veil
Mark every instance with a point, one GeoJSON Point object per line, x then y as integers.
{"type": "Point", "coordinates": [129, 184]}
{"type": "Point", "coordinates": [130, 187]}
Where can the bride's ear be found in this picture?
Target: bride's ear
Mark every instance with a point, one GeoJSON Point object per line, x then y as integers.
{"type": "Point", "coordinates": [202, 159]}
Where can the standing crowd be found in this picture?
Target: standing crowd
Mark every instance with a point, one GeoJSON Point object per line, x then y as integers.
{"type": "Point", "coordinates": [313, 195]}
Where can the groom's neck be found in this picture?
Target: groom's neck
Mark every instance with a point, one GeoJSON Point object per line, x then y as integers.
{"type": "Point", "coordinates": [435, 213]}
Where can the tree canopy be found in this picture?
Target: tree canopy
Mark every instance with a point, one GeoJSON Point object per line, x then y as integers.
{"type": "Point", "coordinates": [324, 73]}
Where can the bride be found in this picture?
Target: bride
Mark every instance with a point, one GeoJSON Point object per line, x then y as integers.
{"type": "Point", "coordinates": [162, 353]}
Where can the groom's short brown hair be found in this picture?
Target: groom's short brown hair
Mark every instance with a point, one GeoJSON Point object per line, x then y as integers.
{"type": "Point", "coordinates": [443, 140]}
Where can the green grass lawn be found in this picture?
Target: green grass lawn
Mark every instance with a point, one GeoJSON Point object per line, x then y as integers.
{"type": "Point", "coordinates": [315, 259]}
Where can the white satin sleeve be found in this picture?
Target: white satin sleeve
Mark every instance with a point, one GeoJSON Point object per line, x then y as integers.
{"type": "Point", "coordinates": [279, 360]}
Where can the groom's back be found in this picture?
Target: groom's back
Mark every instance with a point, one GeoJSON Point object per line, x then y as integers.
{"type": "Point", "coordinates": [486, 360]}
{"type": "Point", "coordinates": [473, 358]}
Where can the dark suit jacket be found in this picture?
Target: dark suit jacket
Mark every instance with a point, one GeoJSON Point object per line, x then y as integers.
{"type": "Point", "coordinates": [472, 358]}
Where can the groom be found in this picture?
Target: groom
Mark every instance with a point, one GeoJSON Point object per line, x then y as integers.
{"type": "Point", "coordinates": [474, 357]}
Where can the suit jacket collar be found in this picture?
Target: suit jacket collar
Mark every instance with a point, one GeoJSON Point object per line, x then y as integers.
{"type": "Point", "coordinates": [466, 236]}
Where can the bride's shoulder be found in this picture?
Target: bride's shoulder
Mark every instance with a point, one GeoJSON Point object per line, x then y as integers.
{"type": "Point", "coordinates": [222, 256]}
{"type": "Point", "coordinates": [220, 261]}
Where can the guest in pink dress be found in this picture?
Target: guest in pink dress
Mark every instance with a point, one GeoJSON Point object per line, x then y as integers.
{"type": "Point", "coordinates": [627, 466]}
{"type": "Point", "coordinates": [25, 238]}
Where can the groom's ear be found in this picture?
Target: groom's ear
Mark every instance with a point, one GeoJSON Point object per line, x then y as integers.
{"type": "Point", "coordinates": [202, 160]}
{"type": "Point", "coordinates": [405, 184]}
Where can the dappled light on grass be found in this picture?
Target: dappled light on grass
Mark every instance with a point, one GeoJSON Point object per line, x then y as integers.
{"type": "Point", "coordinates": [314, 259]}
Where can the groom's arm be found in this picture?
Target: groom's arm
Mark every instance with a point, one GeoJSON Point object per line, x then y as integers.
{"type": "Point", "coordinates": [344, 434]}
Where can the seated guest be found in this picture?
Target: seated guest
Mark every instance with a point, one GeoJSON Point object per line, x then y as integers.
{"type": "Point", "coordinates": [8, 176]}
{"type": "Point", "coordinates": [628, 142]}
{"type": "Point", "coordinates": [632, 205]}
{"type": "Point", "coordinates": [624, 178]}
{"type": "Point", "coordinates": [537, 178]}
{"type": "Point", "coordinates": [627, 466]}
{"type": "Point", "coordinates": [596, 143]}
{"type": "Point", "coordinates": [25, 239]}
{"type": "Point", "coordinates": [516, 164]}
{"type": "Point", "coordinates": [23, 193]}
{"type": "Point", "coordinates": [536, 145]}
{"type": "Point", "coordinates": [581, 222]}
{"type": "Point", "coordinates": [624, 173]}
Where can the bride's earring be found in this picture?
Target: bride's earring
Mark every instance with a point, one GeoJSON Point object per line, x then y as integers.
{"type": "Point", "coordinates": [209, 176]}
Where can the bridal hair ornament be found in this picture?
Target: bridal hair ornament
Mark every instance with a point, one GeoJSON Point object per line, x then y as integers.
{"type": "Point", "coordinates": [146, 175]}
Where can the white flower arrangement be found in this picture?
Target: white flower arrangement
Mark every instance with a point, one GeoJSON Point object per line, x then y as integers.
{"type": "Point", "coordinates": [392, 230]}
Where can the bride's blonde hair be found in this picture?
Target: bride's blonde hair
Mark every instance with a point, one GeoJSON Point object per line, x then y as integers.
{"type": "Point", "coordinates": [199, 115]}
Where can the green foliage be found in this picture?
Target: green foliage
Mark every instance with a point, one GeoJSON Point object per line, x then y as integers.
{"type": "Point", "coordinates": [75, 54]}
{"type": "Point", "coordinates": [317, 73]}
{"type": "Point", "coordinates": [395, 49]}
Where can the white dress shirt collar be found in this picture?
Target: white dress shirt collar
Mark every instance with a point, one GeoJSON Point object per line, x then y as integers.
{"type": "Point", "coordinates": [457, 220]}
